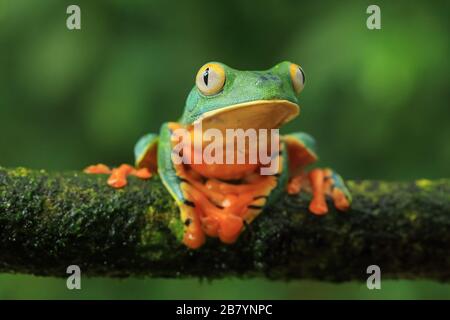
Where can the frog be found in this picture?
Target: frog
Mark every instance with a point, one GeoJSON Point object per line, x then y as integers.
{"type": "Point", "coordinates": [221, 200]}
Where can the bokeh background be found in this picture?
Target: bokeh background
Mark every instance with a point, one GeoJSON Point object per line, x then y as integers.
{"type": "Point", "coordinates": [376, 101]}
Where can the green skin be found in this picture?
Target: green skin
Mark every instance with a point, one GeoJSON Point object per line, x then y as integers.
{"type": "Point", "coordinates": [240, 87]}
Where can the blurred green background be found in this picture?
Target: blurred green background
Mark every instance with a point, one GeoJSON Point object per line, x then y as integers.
{"type": "Point", "coordinates": [376, 101]}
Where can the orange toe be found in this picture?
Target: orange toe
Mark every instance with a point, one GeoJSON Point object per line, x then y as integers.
{"type": "Point", "coordinates": [318, 207]}
{"type": "Point", "coordinates": [230, 228]}
{"type": "Point", "coordinates": [97, 169]}
{"type": "Point", "coordinates": [125, 169]}
{"type": "Point", "coordinates": [194, 237]}
{"type": "Point", "coordinates": [143, 173]}
{"type": "Point", "coordinates": [211, 226]}
{"type": "Point", "coordinates": [340, 201]}
{"type": "Point", "coordinates": [117, 179]}
{"type": "Point", "coordinates": [117, 183]}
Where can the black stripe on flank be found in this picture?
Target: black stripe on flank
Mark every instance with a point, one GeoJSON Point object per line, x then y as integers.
{"type": "Point", "coordinates": [260, 197]}
{"type": "Point", "coordinates": [189, 203]}
{"type": "Point", "coordinates": [254, 207]}
{"type": "Point", "coordinates": [219, 206]}
{"type": "Point", "coordinates": [183, 180]}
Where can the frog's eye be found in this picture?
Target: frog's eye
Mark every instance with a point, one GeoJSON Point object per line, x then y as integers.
{"type": "Point", "coordinates": [297, 77]}
{"type": "Point", "coordinates": [210, 78]}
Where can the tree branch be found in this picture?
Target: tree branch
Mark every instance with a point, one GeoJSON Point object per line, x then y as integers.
{"type": "Point", "coordinates": [49, 221]}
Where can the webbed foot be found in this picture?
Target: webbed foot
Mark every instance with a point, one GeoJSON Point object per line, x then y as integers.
{"type": "Point", "coordinates": [322, 183]}
{"type": "Point", "coordinates": [326, 182]}
{"type": "Point", "coordinates": [118, 176]}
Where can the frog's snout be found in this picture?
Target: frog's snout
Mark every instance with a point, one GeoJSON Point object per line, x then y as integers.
{"type": "Point", "coordinates": [265, 79]}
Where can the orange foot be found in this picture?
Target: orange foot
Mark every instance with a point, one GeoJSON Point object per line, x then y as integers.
{"type": "Point", "coordinates": [118, 176]}
{"type": "Point", "coordinates": [321, 183]}
{"type": "Point", "coordinates": [325, 182]}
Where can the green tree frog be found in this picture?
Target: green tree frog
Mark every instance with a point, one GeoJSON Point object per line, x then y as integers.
{"type": "Point", "coordinates": [219, 199]}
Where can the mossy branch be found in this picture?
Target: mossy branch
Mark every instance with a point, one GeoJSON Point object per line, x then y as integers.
{"type": "Point", "coordinates": [49, 221]}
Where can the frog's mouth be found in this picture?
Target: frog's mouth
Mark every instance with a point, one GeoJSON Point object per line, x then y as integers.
{"type": "Point", "coordinates": [260, 114]}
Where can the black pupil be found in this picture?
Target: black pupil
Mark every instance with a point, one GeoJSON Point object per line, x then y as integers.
{"type": "Point", "coordinates": [205, 76]}
{"type": "Point", "coordinates": [303, 76]}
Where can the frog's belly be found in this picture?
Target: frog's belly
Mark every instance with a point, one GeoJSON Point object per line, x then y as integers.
{"type": "Point", "coordinates": [242, 159]}
{"type": "Point", "coordinates": [224, 171]}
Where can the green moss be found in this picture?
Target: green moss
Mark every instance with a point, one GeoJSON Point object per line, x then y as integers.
{"type": "Point", "coordinates": [412, 215]}
{"type": "Point", "coordinates": [424, 183]}
{"type": "Point", "coordinates": [20, 172]}
{"type": "Point", "coordinates": [51, 220]}
{"type": "Point", "coordinates": [177, 228]}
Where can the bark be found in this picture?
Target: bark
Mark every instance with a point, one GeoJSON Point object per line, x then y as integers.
{"type": "Point", "coordinates": [49, 221]}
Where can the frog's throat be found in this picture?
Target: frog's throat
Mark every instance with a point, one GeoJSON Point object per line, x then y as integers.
{"type": "Point", "coordinates": [267, 114]}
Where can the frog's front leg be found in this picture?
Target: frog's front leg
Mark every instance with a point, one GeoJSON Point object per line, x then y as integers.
{"type": "Point", "coordinates": [319, 182]}
{"type": "Point", "coordinates": [145, 154]}
{"type": "Point", "coordinates": [118, 176]}
{"type": "Point", "coordinates": [326, 182]}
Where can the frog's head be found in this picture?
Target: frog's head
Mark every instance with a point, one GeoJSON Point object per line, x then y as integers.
{"type": "Point", "coordinates": [227, 98]}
